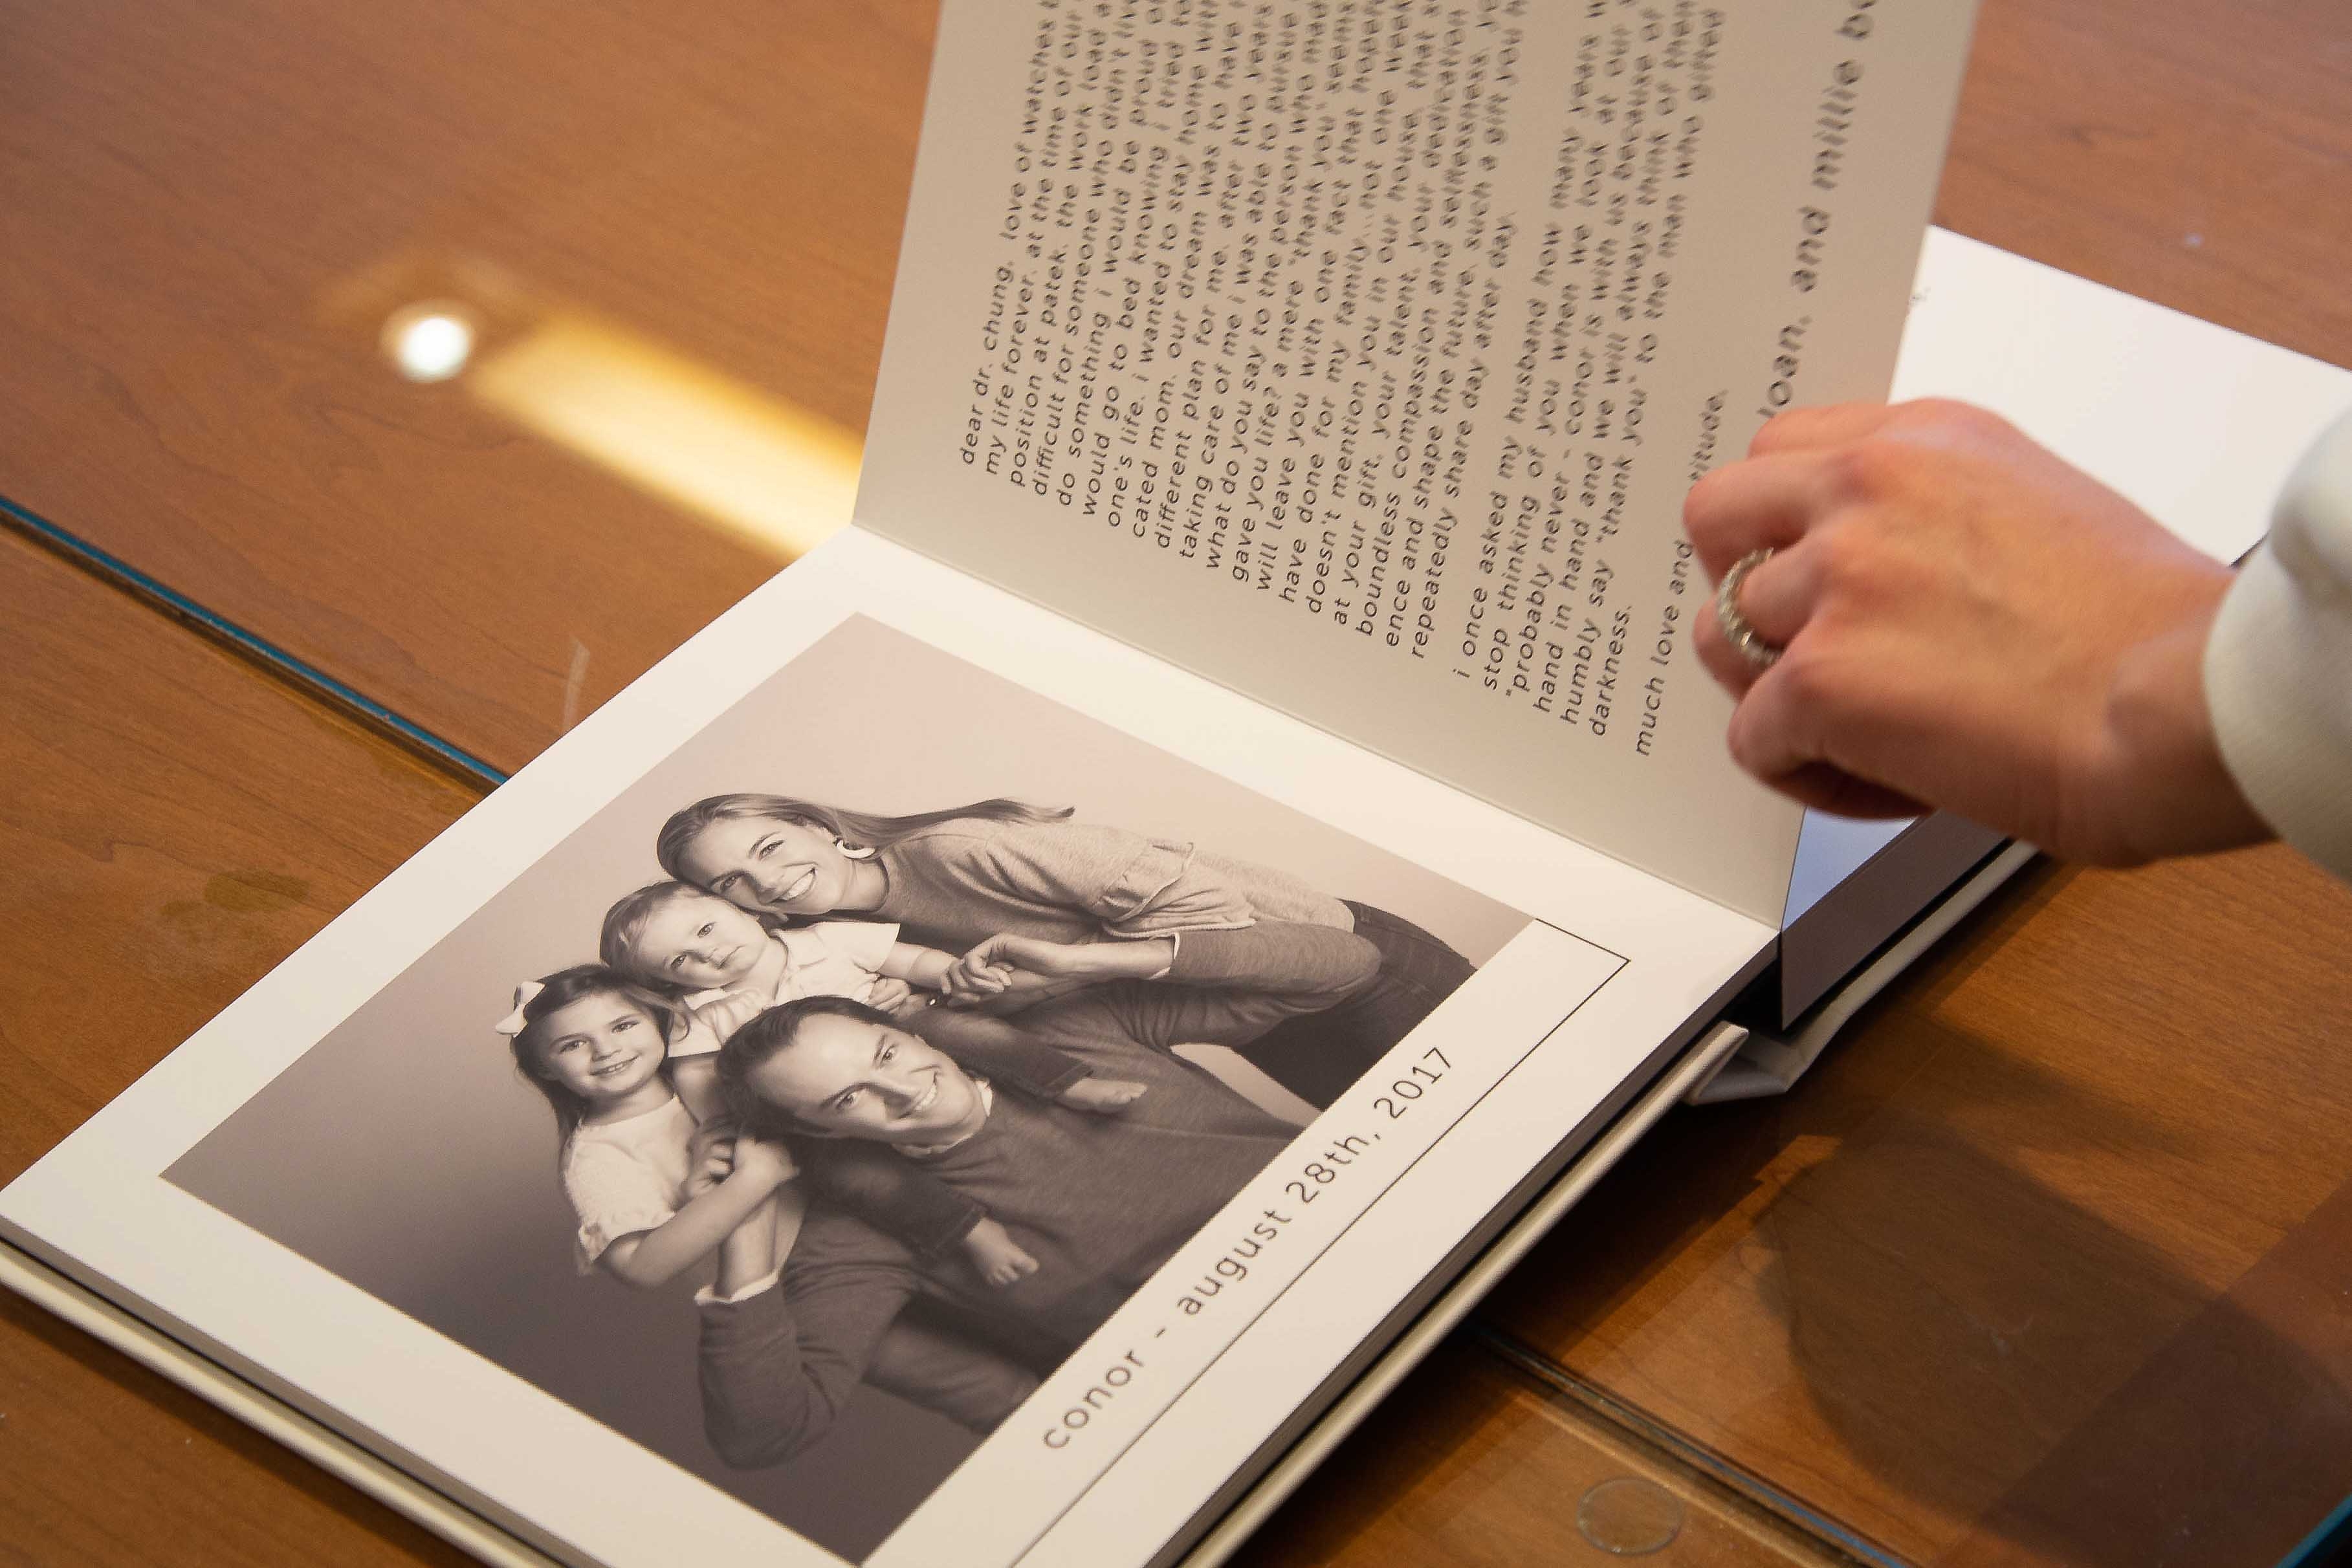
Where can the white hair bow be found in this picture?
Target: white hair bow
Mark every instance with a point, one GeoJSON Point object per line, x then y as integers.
{"type": "Point", "coordinates": [512, 1024]}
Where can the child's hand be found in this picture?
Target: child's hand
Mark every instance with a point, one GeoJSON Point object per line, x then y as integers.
{"type": "Point", "coordinates": [974, 977]}
{"type": "Point", "coordinates": [763, 1162]}
{"type": "Point", "coordinates": [889, 996]}
{"type": "Point", "coordinates": [709, 1157]}
{"type": "Point", "coordinates": [1103, 1096]}
{"type": "Point", "coordinates": [1000, 1259]}
{"type": "Point", "coordinates": [729, 1013]}
{"type": "Point", "coordinates": [1006, 972]}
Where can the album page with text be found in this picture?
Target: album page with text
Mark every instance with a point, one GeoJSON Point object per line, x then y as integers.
{"type": "Point", "coordinates": [1359, 356]}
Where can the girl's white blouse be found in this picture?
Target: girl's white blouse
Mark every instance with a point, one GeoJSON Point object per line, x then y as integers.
{"type": "Point", "coordinates": [627, 1175]}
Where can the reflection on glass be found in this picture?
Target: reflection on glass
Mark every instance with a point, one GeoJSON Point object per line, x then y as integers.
{"type": "Point", "coordinates": [430, 341]}
{"type": "Point", "coordinates": [769, 471]}
{"type": "Point", "coordinates": [760, 466]}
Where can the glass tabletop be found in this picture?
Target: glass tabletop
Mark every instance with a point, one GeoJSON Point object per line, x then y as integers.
{"type": "Point", "coordinates": [464, 358]}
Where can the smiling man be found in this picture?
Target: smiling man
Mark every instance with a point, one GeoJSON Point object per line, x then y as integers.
{"type": "Point", "coordinates": [1106, 1198]}
{"type": "Point", "coordinates": [1100, 1201]}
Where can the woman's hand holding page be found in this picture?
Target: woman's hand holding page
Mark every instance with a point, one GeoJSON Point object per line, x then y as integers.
{"type": "Point", "coordinates": [1965, 621]}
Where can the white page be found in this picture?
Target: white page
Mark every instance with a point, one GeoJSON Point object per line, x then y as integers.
{"type": "Point", "coordinates": [2198, 424]}
{"type": "Point", "coordinates": [1358, 357]}
{"type": "Point", "coordinates": [330, 1136]}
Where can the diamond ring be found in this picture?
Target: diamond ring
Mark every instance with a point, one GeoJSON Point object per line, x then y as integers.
{"type": "Point", "coordinates": [1736, 631]}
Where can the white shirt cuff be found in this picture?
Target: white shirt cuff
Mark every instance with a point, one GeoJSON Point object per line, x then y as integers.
{"type": "Point", "coordinates": [2278, 665]}
{"type": "Point", "coordinates": [708, 1295]}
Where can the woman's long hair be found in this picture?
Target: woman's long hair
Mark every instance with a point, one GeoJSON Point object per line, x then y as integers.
{"type": "Point", "coordinates": [559, 991]}
{"type": "Point", "coordinates": [860, 830]}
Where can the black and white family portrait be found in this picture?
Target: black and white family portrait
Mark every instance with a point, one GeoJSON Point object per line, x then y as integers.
{"type": "Point", "coordinates": [836, 1080]}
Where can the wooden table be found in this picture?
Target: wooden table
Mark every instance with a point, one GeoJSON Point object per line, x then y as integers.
{"type": "Point", "coordinates": [2048, 1262]}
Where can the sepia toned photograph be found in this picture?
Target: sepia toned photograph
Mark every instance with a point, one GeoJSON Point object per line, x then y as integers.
{"type": "Point", "coordinates": [797, 1113]}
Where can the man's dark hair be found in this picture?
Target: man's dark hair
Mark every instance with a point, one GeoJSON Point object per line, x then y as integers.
{"type": "Point", "coordinates": [761, 1041]}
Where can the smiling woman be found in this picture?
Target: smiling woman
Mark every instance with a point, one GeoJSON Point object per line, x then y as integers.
{"type": "Point", "coordinates": [1002, 868]}
{"type": "Point", "coordinates": [775, 855]}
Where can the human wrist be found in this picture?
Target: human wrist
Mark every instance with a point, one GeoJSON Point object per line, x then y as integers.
{"type": "Point", "coordinates": [1127, 959]}
{"type": "Point", "coordinates": [2278, 669]}
{"type": "Point", "coordinates": [757, 1181]}
{"type": "Point", "coordinates": [1151, 956]}
{"type": "Point", "coordinates": [2166, 787]}
{"type": "Point", "coordinates": [749, 1253]}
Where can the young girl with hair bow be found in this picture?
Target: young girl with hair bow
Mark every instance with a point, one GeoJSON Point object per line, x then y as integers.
{"type": "Point", "coordinates": [649, 1199]}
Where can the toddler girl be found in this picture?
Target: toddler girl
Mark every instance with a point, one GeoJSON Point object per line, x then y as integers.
{"type": "Point", "coordinates": [729, 968]}
{"type": "Point", "coordinates": [597, 1045]}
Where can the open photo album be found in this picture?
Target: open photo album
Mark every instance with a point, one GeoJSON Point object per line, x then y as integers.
{"type": "Point", "coordinates": [967, 1058]}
